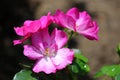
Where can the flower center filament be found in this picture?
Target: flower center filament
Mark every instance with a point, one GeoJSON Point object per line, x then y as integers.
{"type": "Point", "coordinates": [49, 52]}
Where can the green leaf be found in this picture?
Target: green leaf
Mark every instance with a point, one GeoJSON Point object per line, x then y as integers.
{"type": "Point", "coordinates": [111, 71]}
{"type": "Point", "coordinates": [117, 77]}
{"type": "Point", "coordinates": [83, 67]}
{"type": "Point", "coordinates": [74, 69]}
{"type": "Point", "coordinates": [24, 75]}
{"type": "Point", "coordinates": [79, 55]}
{"type": "Point", "coordinates": [79, 67]}
{"type": "Point", "coordinates": [118, 49]}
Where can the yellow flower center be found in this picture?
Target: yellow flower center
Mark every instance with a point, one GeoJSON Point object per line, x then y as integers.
{"type": "Point", "coordinates": [49, 52]}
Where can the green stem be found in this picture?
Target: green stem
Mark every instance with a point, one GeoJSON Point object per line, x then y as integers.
{"type": "Point", "coordinates": [70, 36]}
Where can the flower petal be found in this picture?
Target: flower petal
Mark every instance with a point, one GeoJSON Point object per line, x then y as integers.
{"type": "Point", "coordinates": [59, 38]}
{"type": "Point", "coordinates": [63, 57]}
{"type": "Point", "coordinates": [19, 31]}
{"type": "Point", "coordinates": [30, 27]}
{"type": "Point", "coordinates": [27, 22]}
{"type": "Point", "coordinates": [32, 53]}
{"type": "Point", "coordinates": [45, 65]}
{"type": "Point", "coordinates": [41, 39]}
{"type": "Point", "coordinates": [45, 21]}
{"type": "Point", "coordinates": [33, 27]}
{"type": "Point", "coordinates": [64, 20]}
{"type": "Point", "coordinates": [92, 31]}
{"type": "Point", "coordinates": [74, 13]}
{"type": "Point", "coordinates": [83, 21]}
{"type": "Point", "coordinates": [15, 42]}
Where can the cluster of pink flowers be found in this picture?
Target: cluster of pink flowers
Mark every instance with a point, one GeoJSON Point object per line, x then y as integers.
{"type": "Point", "coordinates": [48, 48]}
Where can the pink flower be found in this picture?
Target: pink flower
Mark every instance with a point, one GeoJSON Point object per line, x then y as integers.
{"type": "Point", "coordinates": [77, 21]}
{"type": "Point", "coordinates": [47, 50]}
{"type": "Point", "coordinates": [31, 27]}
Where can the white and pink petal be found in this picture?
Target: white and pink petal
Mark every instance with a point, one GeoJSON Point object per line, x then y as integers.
{"type": "Point", "coordinates": [63, 58]}
{"type": "Point", "coordinates": [44, 65]}
{"type": "Point", "coordinates": [59, 38]}
{"type": "Point", "coordinates": [32, 52]}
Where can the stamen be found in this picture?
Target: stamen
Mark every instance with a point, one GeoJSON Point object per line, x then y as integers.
{"type": "Point", "coordinates": [49, 52]}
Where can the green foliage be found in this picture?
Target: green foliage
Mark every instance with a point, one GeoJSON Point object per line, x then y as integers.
{"type": "Point", "coordinates": [79, 65]}
{"type": "Point", "coordinates": [24, 75]}
{"type": "Point", "coordinates": [117, 77]}
{"type": "Point", "coordinates": [79, 55]}
{"type": "Point", "coordinates": [111, 71]}
{"type": "Point", "coordinates": [118, 49]}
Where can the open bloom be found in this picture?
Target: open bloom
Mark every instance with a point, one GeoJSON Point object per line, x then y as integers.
{"type": "Point", "coordinates": [31, 27]}
{"type": "Point", "coordinates": [47, 50]}
{"type": "Point", "coordinates": [77, 21]}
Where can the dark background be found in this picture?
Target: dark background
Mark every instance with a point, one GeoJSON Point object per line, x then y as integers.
{"type": "Point", "coordinates": [14, 12]}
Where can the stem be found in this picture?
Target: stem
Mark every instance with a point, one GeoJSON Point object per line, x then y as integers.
{"type": "Point", "coordinates": [70, 36]}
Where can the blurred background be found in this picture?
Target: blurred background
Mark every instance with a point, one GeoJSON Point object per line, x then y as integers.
{"type": "Point", "coordinates": [14, 12]}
